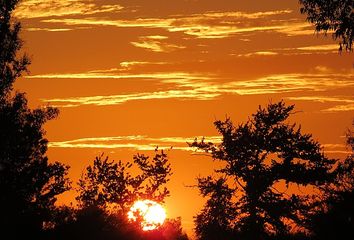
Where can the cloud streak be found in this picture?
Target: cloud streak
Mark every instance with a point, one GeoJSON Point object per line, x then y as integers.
{"type": "Point", "coordinates": [196, 29]}
{"type": "Point", "coordinates": [59, 8]}
{"type": "Point", "coordinates": [153, 43]}
{"type": "Point", "coordinates": [114, 74]}
{"type": "Point", "coordinates": [137, 142]}
{"type": "Point", "coordinates": [210, 25]}
{"type": "Point", "coordinates": [192, 86]}
{"type": "Point", "coordinates": [346, 103]}
{"type": "Point", "coordinates": [146, 143]}
{"type": "Point", "coordinates": [123, 98]}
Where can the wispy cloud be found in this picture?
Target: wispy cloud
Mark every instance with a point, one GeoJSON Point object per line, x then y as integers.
{"type": "Point", "coordinates": [336, 148]}
{"type": "Point", "coordinates": [200, 30]}
{"type": "Point", "coordinates": [305, 50]}
{"type": "Point", "coordinates": [137, 142]}
{"type": "Point", "coordinates": [58, 8]}
{"type": "Point", "coordinates": [347, 103]}
{"type": "Point", "coordinates": [155, 44]}
{"type": "Point", "coordinates": [204, 86]}
{"type": "Point", "coordinates": [49, 29]}
{"type": "Point", "coordinates": [126, 65]}
{"type": "Point", "coordinates": [282, 83]}
{"type": "Point", "coordinates": [340, 108]}
{"type": "Point", "coordinates": [114, 74]}
{"type": "Point", "coordinates": [326, 47]}
{"type": "Point", "coordinates": [259, 53]}
{"type": "Point", "coordinates": [323, 99]}
{"type": "Point", "coordinates": [140, 22]}
{"type": "Point", "coordinates": [208, 25]}
{"type": "Point", "coordinates": [122, 98]}
{"type": "Point", "coordinates": [146, 143]}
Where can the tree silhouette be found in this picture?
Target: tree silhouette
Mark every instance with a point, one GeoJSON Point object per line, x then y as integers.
{"type": "Point", "coordinates": [215, 222]}
{"type": "Point", "coordinates": [12, 65]}
{"type": "Point", "coordinates": [107, 182]}
{"type": "Point", "coordinates": [258, 156]}
{"type": "Point", "coordinates": [94, 223]}
{"type": "Point", "coordinates": [107, 190]}
{"type": "Point", "coordinates": [170, 230]}
{"type": "Point", "coordinates": [29, 184]}
{"type": "Point", "coordinates": [334, 218]}
{"type": "Point", "coordinates": [332, 15]}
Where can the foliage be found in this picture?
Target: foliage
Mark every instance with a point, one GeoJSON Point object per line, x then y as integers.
{"type": "Point", "coordinates": [215, 222]}
{"type": "Point", "coordinates": [94, 223]}
{"type": "Point", "coordinates": [334, 218]}
{"type": "Point", "coordinates": [332, 15]}
{"type": "Point", "coordinates": [170, 230]}
{"type": "Point", "coordinates": [12, 66]}
{"type": "Point", "coordinates": [29, 184]}
{"type": "Point", "coordinates": [107, 182]}
{"type": "Point", "coordinates": [258, 155]}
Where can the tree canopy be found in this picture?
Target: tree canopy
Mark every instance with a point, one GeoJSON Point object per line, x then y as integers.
{"type": "Point", "coordinates": [109, 182]}
{"type": "Point", "coordinates": [335, 16]}
{"type": "Point", "coordinates": [29, 183]}
{"type": "Point", "coordinates": [261, 156]}
{"type": "Point", "coordinates": [334, 216]}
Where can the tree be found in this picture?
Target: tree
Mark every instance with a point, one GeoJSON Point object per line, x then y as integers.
{"type": "Point", "coordinates": [332, 15]}
{"type": "Point", "coordinates": [170, 230]}
{"type": "Point", "coordinates": [260, 155]}
{"type": "Point", "coordinates": [334, 217]}
{"type": "Point", "coordinates": [107, 182]}
{"type": "Point", "coordinates": [12, 66]}
{"type": "Point", "coordinates": [215, 222]}
{"type": "Point", "coordinates": [94, 223]}
{"type": "Point", "coordinates": [106, 191]}
{"type": "Point", "coordinates": [29, 184]}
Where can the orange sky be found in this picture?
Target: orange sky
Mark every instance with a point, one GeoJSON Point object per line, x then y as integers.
{"type": "Point", "coordinates": [130, 75]}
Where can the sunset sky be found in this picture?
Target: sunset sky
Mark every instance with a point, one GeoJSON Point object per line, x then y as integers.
{"type": "Point", "coordinates": [130, 75]}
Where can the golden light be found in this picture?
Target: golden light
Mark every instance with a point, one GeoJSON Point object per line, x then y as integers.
{"type": "Point", "coordinates": [150, 213]}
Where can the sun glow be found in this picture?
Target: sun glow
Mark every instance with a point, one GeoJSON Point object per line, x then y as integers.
{"type": "Point", "coordinates": [150, 214]}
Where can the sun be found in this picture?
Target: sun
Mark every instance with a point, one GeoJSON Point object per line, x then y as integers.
{"type": "Point", "coordinates": [150, 214]}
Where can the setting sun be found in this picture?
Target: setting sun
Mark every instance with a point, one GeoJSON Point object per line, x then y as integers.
{"type": "Point", "coordinates": [152, 214]}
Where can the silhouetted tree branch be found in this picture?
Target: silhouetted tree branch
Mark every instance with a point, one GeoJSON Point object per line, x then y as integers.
{"type": "Point", "coordinates": [108, 182]}
{"type": "Point", "coordinates": [334, 216]}
{"type": "Point", "coordinates": [29, 183]}
{"type": "Point", "coordinates": [258, 154]}
{"type": "Point", "coordinates": [336, 16]}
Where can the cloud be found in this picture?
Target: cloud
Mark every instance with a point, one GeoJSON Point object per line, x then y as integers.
{"type": "Point", "coordinates": [347, 103]}
{"type": "Point", "coordinates": [209, 25]}
{"type": "Point", "coordinates": [154, 44]}
{"type": "Point", "coordinates": [129, 64]}
{"type": "Point", "coordinates": [259, 53]}
{"type": "Point", "coordinates": [340, 108]}
{"type": "Point", "coordinates": [336, 148]}
{"type": "Point", "coordinates": [146, 143]}
{"type": "Point", "coordinates": [296, 28]}
{"type": "Point", "coordinates": [123, 98]}
{"type": "Point", "coordinates": [58, 8]}
{"type": "Point", "coordinates": [197, 29]}
{"type": "Point", "coordinates": [240, 15]}
{"type": "Point", "coordinates": [305, 50]}
{"type": "Point", "coordinates": [323, 99]}
{"type": "Point", "coordinates": [114, 74]}
{"type": "Point", "coordinates": [140, 22]}
{"type": "Point", "coordinates": [323, 69]}
{"type": "Point", "coordinates": [326, 47]}
{"type": "Point", "coordinates": [49, 29]}
{"type": "Point", "coordinates": [138, 142]}
{"type": "Point", "coordinates": [204, 86]}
